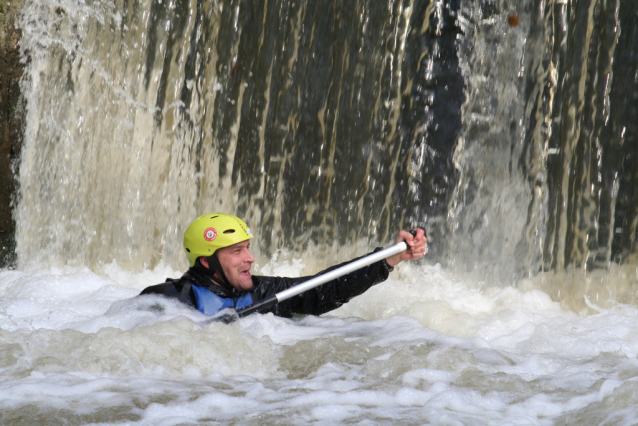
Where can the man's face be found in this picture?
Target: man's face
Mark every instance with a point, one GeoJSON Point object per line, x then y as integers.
{"type": "Point", "coordinates": [236, 261]}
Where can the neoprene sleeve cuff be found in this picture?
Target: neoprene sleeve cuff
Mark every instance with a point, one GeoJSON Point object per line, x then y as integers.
{"type": "Point", "coordinates": [384, 264]}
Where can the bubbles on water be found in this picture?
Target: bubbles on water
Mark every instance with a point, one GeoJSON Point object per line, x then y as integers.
{"type": "Point", "coordinates": [424, 344]}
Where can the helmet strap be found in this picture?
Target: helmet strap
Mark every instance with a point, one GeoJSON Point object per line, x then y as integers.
{"type": "Point", "coordinates": [213, 266]}
{"type": "Point", "coordinates": [216, 266]}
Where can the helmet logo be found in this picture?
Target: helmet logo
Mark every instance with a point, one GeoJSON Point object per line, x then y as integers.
{"type": "Point", "coordinates": [210, 234]}
{"type": "Point", "coordinates": [249, 232]}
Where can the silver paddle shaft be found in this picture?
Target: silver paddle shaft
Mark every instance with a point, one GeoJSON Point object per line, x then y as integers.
{"type": "Point", "coordinates": [345, 269]}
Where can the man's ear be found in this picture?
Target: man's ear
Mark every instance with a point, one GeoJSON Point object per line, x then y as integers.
{"type": "Point", "coordinates": [204, 262]}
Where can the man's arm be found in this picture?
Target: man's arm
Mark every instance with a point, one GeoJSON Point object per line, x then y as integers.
{"type": "Point", "coordinates": [335, 293]}
{"type": "Point", "coordinates": [325, 297]}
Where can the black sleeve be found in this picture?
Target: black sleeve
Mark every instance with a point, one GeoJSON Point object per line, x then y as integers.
{"type": "Point", "coordinates": [173, 288]}
{"type": "Point", "coordinates": [324, 298]}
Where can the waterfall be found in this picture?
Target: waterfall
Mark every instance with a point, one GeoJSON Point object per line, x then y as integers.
{"type": "Point", "coordinates": [506, 129]}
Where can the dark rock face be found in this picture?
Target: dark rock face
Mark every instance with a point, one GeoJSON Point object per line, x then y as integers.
{"type": "Point", "coordinates": [11, 119]}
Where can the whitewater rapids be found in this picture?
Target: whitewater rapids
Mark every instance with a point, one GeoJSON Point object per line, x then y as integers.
{"type": "Point", "coordinates": [424, 347]}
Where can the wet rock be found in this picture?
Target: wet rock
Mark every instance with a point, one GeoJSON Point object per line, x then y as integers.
{"type": "Point", "coordinates": [11, 123]}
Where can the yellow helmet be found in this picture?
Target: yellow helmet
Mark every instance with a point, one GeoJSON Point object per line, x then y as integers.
{"type": "Point", "coordinates": [213, 231]}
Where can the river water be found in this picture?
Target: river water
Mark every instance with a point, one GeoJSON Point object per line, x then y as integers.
{"type": "Point", "coordinates": [506, 129]}
{"type": "Point", "coordinates": [423, 347]}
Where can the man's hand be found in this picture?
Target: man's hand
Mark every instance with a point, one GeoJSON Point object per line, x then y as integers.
{"type": "Point", "coordinates": [416, 247]}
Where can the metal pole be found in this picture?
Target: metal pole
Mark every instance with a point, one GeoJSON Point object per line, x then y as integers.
{"type": "Point", "coordinates": [345, 269]}
{"type": "Point", "coordinates": [322, 279]}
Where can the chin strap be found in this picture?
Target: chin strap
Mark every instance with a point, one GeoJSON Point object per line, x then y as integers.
{"type": "Point", "coordinates": [209, 272]}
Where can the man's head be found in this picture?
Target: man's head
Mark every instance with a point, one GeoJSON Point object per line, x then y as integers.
{"type": "Point", "coordinates": [235, 261]}
{"type": "Point", "coordinates": [224, 237]}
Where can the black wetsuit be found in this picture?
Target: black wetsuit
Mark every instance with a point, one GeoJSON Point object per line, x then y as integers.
{"type": "Point", "coordinates": [316, 301]}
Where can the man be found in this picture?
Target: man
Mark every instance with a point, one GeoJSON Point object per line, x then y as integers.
{"type": "Point", "coordinates": [218, 250]}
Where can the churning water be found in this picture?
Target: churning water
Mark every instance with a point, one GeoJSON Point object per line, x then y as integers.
{"type": "Point", "coordinates": [506, 128]}
{"type": "Point", "coordinates": [421, 348]}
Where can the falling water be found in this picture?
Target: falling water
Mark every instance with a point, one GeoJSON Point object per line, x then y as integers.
{"type": "Point", "coordinates": [300, 117]}
{"type": "Point", "coordinates": [322, 125]}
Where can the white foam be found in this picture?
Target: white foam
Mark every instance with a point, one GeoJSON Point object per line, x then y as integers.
{"type": "Point", "coordinates": [425, 348]}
